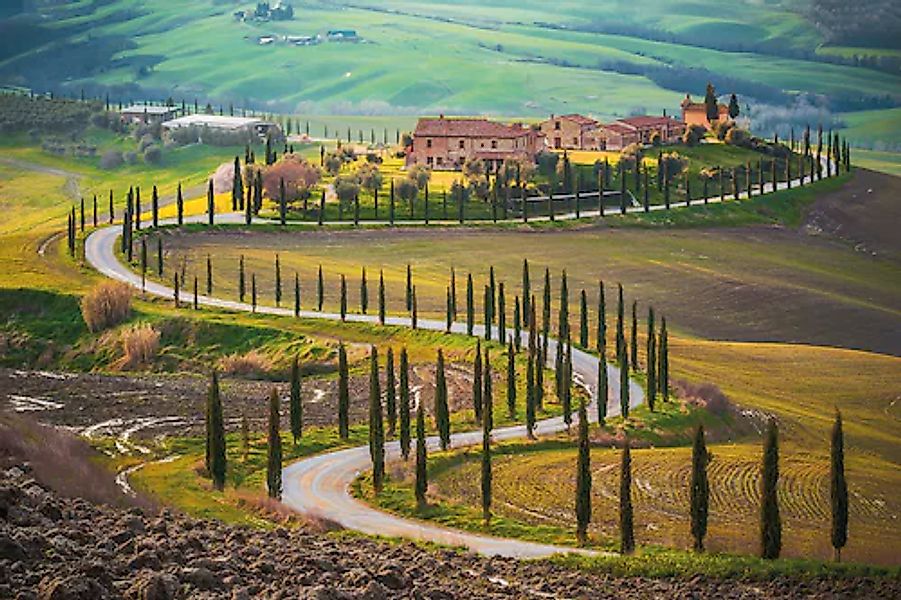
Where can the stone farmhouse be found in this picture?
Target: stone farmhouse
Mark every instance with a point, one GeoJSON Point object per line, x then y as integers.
{"type": "Point", "coordinates": [146, 113]}
{"type": "Point", "coordinates": [570, 132]}
{"type": "Point", "coordinates": [445, 143]}
{"type": "Point", "coordinates": [695, 113]}
{"type": "Point", "coordinates": [577, 132]}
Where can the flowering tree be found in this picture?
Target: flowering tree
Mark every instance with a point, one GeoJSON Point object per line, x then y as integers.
{"type": "Point", "coordinates": [299, 177]}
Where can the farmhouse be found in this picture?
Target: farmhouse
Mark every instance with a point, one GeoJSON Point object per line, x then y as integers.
{"type": "Point", "coordinates": [342, 35]}
{"type": "Point", "coordinates": [446, 143]}
{"type": "Point", "coordinates": [571, 132]}
{"type": "Point", "coordinates": [144, 113]}
{"type": "Point", "coordinates": [258, 126]}
{"type": "Point", "coordinates": [669, 129]}
{"type": "Point", "coordinates": [695, 113]}
{"type": "Point", "coordinates": [616, 136]}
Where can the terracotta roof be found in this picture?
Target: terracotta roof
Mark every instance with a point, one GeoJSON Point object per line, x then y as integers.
{"type": "Point", "coordinates": [648, 121]}
{"type": "Point", "coordinates": [618, 128]}
{"type": "Point", "coordinates": [580, 119]}
{"type": "Point", "coordinates": [444, 127]}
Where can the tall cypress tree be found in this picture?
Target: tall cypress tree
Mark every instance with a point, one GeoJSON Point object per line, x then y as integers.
{"type": "Point", "coordinates": [448, 317]}
{"type": "Point", "coordinates": [526, 292]}
{"type": "Point", "coordinates": [602, 321]}
{"type": "Point", "coordinates": [567, 386]}
{"type": "Point", "coordinates": [487, 395]}
{"type": "Point", "coordinates": [470, 305]}
{"type": "Point", "coordinates": [511, 381]}
{"type": "Point", "coordinates": [624, 382]}
{"type": "Point", "coordinates": [838, 489]}
{"type": "Point", "coordinates": [620, 331]}
{"type": "Point", "coordinates": [699, 492]}
{"type": "Point", "coordinates": [381, 297]}
{"type": "Point", "coordinates": [210, 203]}
{"type": "Point", "coordinates": [155, 207]}
{"type": "Point", "coordinates": [486, 307]}
{"type": "Point", "coordinates": [253, 292]}
{"type": "Point", "coordinates": [343, 298]}
{"type": "Point", "coordinates": [486, 448]}
{"type": "Point", "coordinates": [422, 480]}
{"type": "Point", "coordinates": [364, 292]}
{"type": "Point", "coordinates": [390, 392]}
{"type": "Point", "coordinates": [209, 275]}
{"type": "Point", "coordinates": [296, 406]}
{"type": "Point", "coordinates": [583, 478]}
{"type": "Point", "coordinates": [274, 462]}
{"type": "Point", "coordinates": [601, 391]}
{"type": "Point", "coordinates": [501, 314]}
{"type": "Point", "coordinates": [216, 435]}
{"type": "Point", "coordinates": [583, 319]}
{"type": "Point", "coordinates": [530, 394]}
{"type": "Point", "coordinates": [517, 322]}
{"type": "Point", "coordinates": [442, 414]}
{"type": "Point", "coordinates": [409, 293]}
{"type": "Point", "coordinates": [546, 312]}
{"type": "Point", "coordinates": [663, 370]}
{"type": "Point", "coordinates": [282, 202]}
{"type": "Point", "coordinates": [241, 279]}
{"type": "Point", "coordinates": [414, 312]}
{"type": "Point", "coordinates": [296, 295]}
{"type": "Point", "coordinates": [633, 348]}
{"type": "Point", "coordinates": [404, 407]}
{"type": "Point", "coordinates": [477, 383]}
{"type": "Point", "coordinates": [343, 395]}
{"type": "Point", "coordinates": [278, 281]}
{"type": "Point", "coordinates": [626, 533]}
{"type": "Point", "coordinates": [770, 521]}
{"type": "Point", "coordinates": [652, 360]}
{"type": "Point", "coordinates": [237, 185]}
{"type": "Point", "coordinates": [376, 424]}
{"type": "Point", "coordinates": [320, 290]}
{"type": "Point", "coordinates": [453, 294]}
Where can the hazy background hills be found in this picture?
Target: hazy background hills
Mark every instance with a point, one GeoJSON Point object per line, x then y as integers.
{"type": "Point", "coordinates": [789, 61]}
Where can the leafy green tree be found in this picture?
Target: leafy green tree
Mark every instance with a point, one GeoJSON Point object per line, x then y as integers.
{"type": "Point", "coordinates": [274, 461]}
{"type": "Point", "coordinates": [626, 532]}
{"type": "Point", "coordinates": [511, 381]}
{"type": "Point", "coordinates": [296, 406]}
{"type": "Point", "coordinates": [770, 521]}
{"type": "Point", "coordinates": [216, 462]}
{"type": "Point", "coordinates": [422, 478]}
{"type": "Point", "coordinates": [583, 478]}
{"type": "Point", "coordinates": [404, 407]}
{"type": "Point", "coordinates": [442, 414]}
{"type": "Point", "coordinates": [343, 394]}
{"type": "Point", "coordinates": [376, 424]}
{"type": "Point", "coordinates": [699, 496]}
{"type": "Point", "coordinates": [838, 489]}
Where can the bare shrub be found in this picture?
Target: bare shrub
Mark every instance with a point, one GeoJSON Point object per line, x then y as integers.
{"type": "Point", "coordinates": [107, 304]}
{"type": "Point", "coordinates": [705, 394]}
{"type": "Point", "coordinates": [140, 345]}
{"type": "Point", "coordinates": [252, 363]}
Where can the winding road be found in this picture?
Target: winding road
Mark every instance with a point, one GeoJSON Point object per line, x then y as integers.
{"type": "Point", "coordinates": [319, 486]}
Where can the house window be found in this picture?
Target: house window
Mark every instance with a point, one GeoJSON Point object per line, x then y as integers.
{"type": "Point", "coordinates": [440, 160]}
{"type": "Point", "coordinates": [462, 145]}
{"type": "Point", "coordinates": [575, 141]}
{"type": "Point", "coordinates": [494, 144]}
{"type": "Point", "coordinates": [557, 125]}
{"type": "Point", "coordinates": [428, 160]}
{"type": "Point", "coordinates": [428, 143]}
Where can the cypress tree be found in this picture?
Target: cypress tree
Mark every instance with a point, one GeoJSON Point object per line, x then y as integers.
{"type": "Point", "coordinates": [624, 382]}
{"type": "Point", "coordinates": [663, 370]}
{"type": "Point", "coordinates": [652, 360]}
{"type": "Point", "coordinates": [112, 208]}
{"type": "Point", "coordinates": [526, 292]}
{"type": "Point", "coordinates": [448, 318]}
{"type": "Point", "coordinates": [633, 348]}
{"type": "Point", "coordinates": [486, 307]}
{"type": "Point", "coordinates": [546, 312]}
{"type": "Point", "coordinates": [376, 426]}
{"type": "Point", "coordinates": [390, 392]}
{"type": "Point", "coordinates": [195, 293]}
{"type": "Point", "coordinates": [422, 480]}
{"type": "Point", "coordinates": [530, 395]}
{"type": "Point", "coordinates": [209, 275]}
{"type": "Point", "coordinates": [583, 478]}
{"type": "Point", "coordinates": [601, 391]}
{"type": "Point", "coordinates": [278, 281]}
{"type": "Point", "coordinates": [602, 321]}
{"type": "Point", "coordinates": [501, 314]}
{"type": "Point", "coordinates": [343, 298]}
{"type": "Point", "coordinates": [626, 533]}
{"type": "Point", "coordinates": [210, 203]}
{"type": "Point", "coordinates": [511, 381]}
{"type": "Point", "coordinates": [487, 396]}
{"type": "Point", "coordinates": [491, 296]}
{"type": "Point", "coordinates": [540, 363]}
{"type": "Point", "coordinates": [620, 330]}
{"type": "Point", "coordinates": [404, 407]}
{"type": "Point", "coordinates": [137, 209]}
{"type": "Point", "coordinates": [296, 295]}
{"type": "Point", "coordinates": [320, 290]}
{"type": "Point", "coordinates": [381, 297]}
{"type": "Point", "coordinates": [95, 211]}
{"type": "Point", "coordinates": [155, 207]}
{"type": "Point", "coordinates": [470, 305]}
{"type": "Point", "coordinates": [583, 320]}
{"type": "Point", "coordinates": [409, 292]}
{"type": "Point", "coordinates": [296, 406]}
{"type": "Point", "coordinates": [453, 294]}
{"type": "Point", "coordinates": [517, 319]}
{"type": "Point", "coordinates": [237, 185]}
{"type": "Point", "coordinates": [364, 292]}
{"type": "Point", "coordinates": [248, 204]}
{"type": "Point", "coordinates": [770, 521]}
{"type": "Point", "coordinates": [241, 279]}
{"type": "Point", "coordinates": [175, 290]}
{"type": "Point", "coordinates": [274, 456]}
{"type": "Point", "coordinates": [566, 387]}
{"type": "Point", "coordinates": [343, 395]}
{"type": "Point", "coordinates": [216, 435]}
{"type": "Point", "coordinates": [159, 256]}
{"type": "Point", "coordinates": [413, 315]}
{"type": "Point", "coordinates": [838, 489]}
{"type": "Point", "coordinates": [442, 414]}
{"type": "Point", "coordinates": [477, 383]}
{"type": "Point", "coordinates": [282, 202]}
{"type": "Point", "coordinates": [486, 449]}
{"type": "Point", "coordinates": [699, 495]}
{"type": "Point", "coordinates": [253, 291]}
{"type": "Point", "coordinates": [143, 261]}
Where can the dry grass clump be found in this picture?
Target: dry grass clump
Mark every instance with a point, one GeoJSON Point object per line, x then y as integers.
{"type": "Point", "coordinates": [106, 305]}
{"type": "Point", "coordinates": [249, 363]}
{"type": "Point", "coordinates": [140, 345]}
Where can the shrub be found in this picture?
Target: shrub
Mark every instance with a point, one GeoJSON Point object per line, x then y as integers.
{"type": "Point", "coordinates": [332, 163]}
{"type": "Point", "coordinates": [153, 154]}
{"type": "Point", "coordinates": [131, 157]}
{"type": "Point", "coordinates": [107, 304]}
{"type": "Point", "coordinates": [299, 176]}
{"type": "Point", "coordinates": [693, 135]}
{"type": "Point", "coordinates": [420, 175]}
{"type": "Point", "coordinates": [253, 362]}
{"type": "Point", "coordinates": [111, 159]}
{"type": "Point", "coordinates": [140, 345]}
{"type": "Point", "coordinates": [145, 141]}
{"type": "Point", "coordinates": [674, 163]}
{"type": "Point", "coordinates": [407, 190]}
{"type": "Point", "coordinates": [738, 137]}
{"type": "Point", "coordinates": [722, 128]}
{"type": "Point", "coordinates": [656, 139]}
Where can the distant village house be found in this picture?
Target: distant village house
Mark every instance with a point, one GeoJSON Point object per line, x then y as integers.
{"type": "Point", "coordinates": [695, 113]}
{"type": "Point", "coordinates": [342, 35]}
{"type": "Point", "coordinates": [570, 132]}
{"type": "Point", "coordinates": [145, 113]}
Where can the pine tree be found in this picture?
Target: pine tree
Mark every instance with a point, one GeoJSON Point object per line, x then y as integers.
{"type": "Point", "coordinates": [296, 405]}
{"type": "Point", "coordinates": [652, 360]}
{"type": "Point", "coordinates": [320, 290]}
{"type": "Point", "coordinates": [601, 391]}
{"type": "Point", "coordinates": [770, 521]}
{"type": "Point", "coordinates": [442, 414]}
{"type": "Point", "coordinates": [241, 279]}
{"type": "Point", "coordinates": [699, 496]}
{"type": "Point", "coordinates": [390, 392]}
{"type": "Point", "coordinates": [381, 297]}
{"type": "Point", "coordinates": [838, 489]}
{"type": "Point", "coordinates": [486, 450]}
{"type": "Point", "coordinates": [376, 425]}
{"type": "Point", "coordinates": [274, 456]}
{"type": "Point", "coordinates": [583, 319]}
{"type": "Point", "coordinates": [343, 298]}
{"type": "Point", "coordinates": [422, 480]}
{"type": "Point", "coordinates": [583, 478]}
{"type": "Point", "coordinates": [278, 281]}
{"type": "Point", "coordinates": [216, 435]}
{"type": "Point", "coordinates": [624, 382]}
{"type": "Point", "coordinates": [602, 321]}
{"type": "Point", "coordinates": [477, 383]}
{"type": "Point", "coordinates": [511, 381]}
{"type": "Point", "coordinates": [470, 305]}
{"type": "Point", "coordinates": [626, 533]}
{"type": "Point", "coordinates": [404, 407]}
{"type": "Point", "coordinates": [526, 292]}
{"type": "Point", "coordinates": [343, 395]}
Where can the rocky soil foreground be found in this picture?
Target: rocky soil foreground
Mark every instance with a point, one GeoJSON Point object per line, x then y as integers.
{"type": "Point", "coordinates": [58, 548]}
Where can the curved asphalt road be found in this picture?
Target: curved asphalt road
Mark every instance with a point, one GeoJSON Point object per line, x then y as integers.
{"type": "Point", "coordinates": [319, 485]}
